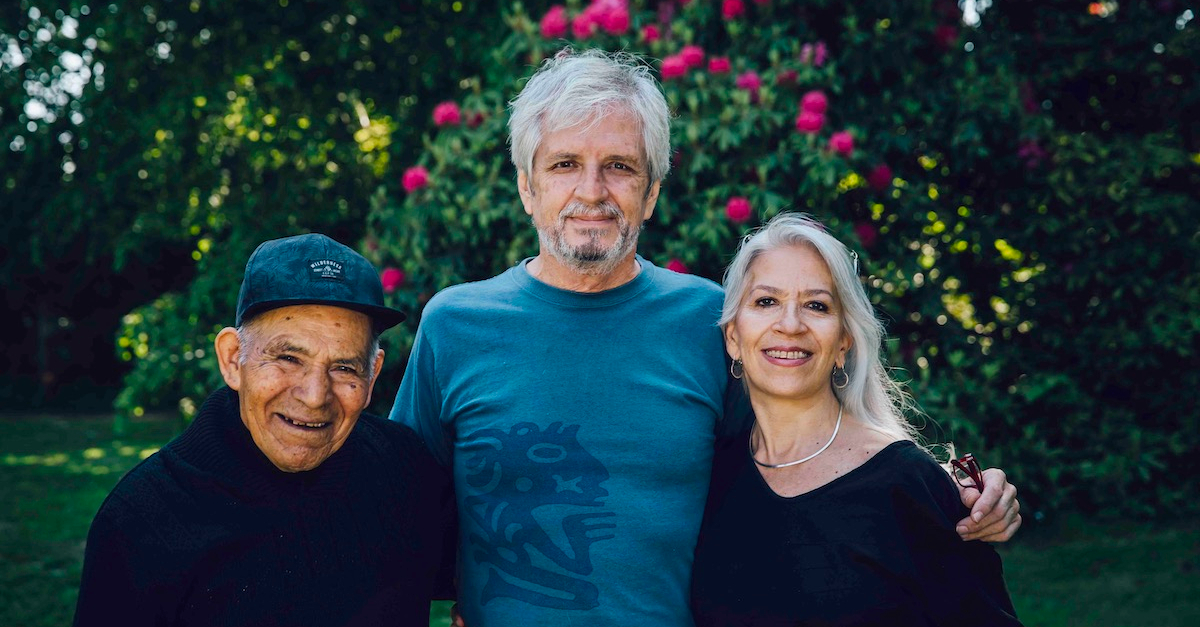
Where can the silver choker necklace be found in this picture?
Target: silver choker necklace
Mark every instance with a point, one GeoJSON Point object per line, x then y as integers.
{"type": "Point", "coordinates": [837, 426]}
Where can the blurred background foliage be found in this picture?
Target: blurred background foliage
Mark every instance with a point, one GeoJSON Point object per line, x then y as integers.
{"type": "Point", "coordinates": [1019, 177]}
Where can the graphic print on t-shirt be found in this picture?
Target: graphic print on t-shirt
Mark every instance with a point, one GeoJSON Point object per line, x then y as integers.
{"type": "Point", "coordinates": [535, 499]}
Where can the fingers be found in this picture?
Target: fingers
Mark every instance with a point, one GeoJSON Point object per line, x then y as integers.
{"type": "Point", "coordinates": [999, 525]}
{"type": "Point", "coordinates": [995, 482]}
{"type": "Point", "coordinates": [456, 619]}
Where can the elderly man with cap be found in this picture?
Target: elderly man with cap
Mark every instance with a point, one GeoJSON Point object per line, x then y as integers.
{"type": "Point", "coordinates": [576, 396]}
{"type": "Point", "coordinates": [282, 503]}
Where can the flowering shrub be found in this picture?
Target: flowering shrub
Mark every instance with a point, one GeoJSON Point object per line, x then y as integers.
{"type": "Point", "coordinates": [988, 228]}
{"type": "Point", "coordinates": [414, 178]}
{"type": "Point", "coordinates": [446, 114]}
{"type": "Point", "coordinates": [738, 209]}
{"type": "Point", "coordinates": [842, 142]}
{"type": "Point", "coordinates": [391, 278]}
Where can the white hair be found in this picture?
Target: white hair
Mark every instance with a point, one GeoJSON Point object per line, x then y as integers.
{"type": "Point", "coordinates": [871, 395]}
{"type": "Point", "coordinates": [572, 89]}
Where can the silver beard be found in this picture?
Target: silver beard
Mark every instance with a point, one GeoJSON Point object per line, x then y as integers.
{"type": "Point", "coordinates": [590, 258]}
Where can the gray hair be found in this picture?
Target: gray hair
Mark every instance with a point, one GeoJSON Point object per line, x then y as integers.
{"type": "Point", "coordinates": [247, 335]}
{"type": "Point", "coordinates": [572, 89]}
{"type": "Point", "coordinates": [871, 395]}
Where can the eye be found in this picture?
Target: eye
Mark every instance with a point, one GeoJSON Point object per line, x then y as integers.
{"type": "Point", "coordinates": [561, 165]}
{"type": "Point", "coordinates": [346, 369]}
{"type": "Point", "coordinates": [291, 359]}
{"type": "Point", "coordinates": [817, 305]}
{"type": "Point", "coordinates": [765, 301]}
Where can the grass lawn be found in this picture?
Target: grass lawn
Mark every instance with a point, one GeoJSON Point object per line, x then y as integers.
{"type": "Point", "coordinates": [56, 470]}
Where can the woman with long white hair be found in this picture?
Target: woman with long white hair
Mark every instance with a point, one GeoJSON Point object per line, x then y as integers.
{"type": "Point", "coordinates": [828, 511]}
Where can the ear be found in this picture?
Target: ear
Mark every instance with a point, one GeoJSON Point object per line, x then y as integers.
{"type": "Point", "coordinates": [651, 199]}
{"type": "Point", "coordinates": [374, 375]}
{"type": "Point", "coordinates": [846, 343]}
{"type": "Point", "coordinates": [732, 346]}
{"type": "Point", "coordinates": [525, 190]}
{"type": "Point", "coordinates": [229, 351]}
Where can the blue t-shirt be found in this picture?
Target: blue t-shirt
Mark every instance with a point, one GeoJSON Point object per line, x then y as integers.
{"type": "Point", "coordinates": [580, 429]}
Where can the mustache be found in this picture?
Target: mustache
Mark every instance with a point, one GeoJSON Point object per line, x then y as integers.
{"type": "Point", "coordinates": [605, 209]}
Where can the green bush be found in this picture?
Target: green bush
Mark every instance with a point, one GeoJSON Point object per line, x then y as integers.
{"type": "Point", "coordinates": [1032, 243]}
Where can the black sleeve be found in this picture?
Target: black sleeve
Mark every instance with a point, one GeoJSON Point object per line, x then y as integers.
{"type": "Point", "coordinates": [962, 582]}
{"type": "Point", "coordinates": [118, 586]}
{"type": "Point", "coordinates": [446, 583]}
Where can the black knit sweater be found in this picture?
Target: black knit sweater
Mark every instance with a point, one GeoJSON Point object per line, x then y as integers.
{"type": "Point", "coordinates": [208, 532]}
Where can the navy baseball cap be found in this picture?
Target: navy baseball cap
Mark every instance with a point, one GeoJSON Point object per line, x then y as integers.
{"type": "Point", "coordinates": [312, 269]}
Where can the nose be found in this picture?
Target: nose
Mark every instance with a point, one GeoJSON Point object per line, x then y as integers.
{"type": "Point", "coordinates": [791, 320]}
{"type": "Point", "coordinates": [313, 388]}
{"type": "Point", "coordinates": [591, 187]}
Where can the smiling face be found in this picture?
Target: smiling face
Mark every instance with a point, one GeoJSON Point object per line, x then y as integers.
{"type": "Point", "coordinates": [303, 377]}
{"type": "Point", "coordinates": [589, 193]}
{"type": "Point", "coordinates": [788, 330]}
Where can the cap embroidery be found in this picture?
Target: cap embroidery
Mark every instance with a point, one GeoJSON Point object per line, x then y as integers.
{"type": "Point", "coordinates": [326, 269]}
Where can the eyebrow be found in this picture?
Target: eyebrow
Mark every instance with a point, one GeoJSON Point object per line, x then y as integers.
{"type": "Point", "coordinates": [774, 290]}
{"type": "Point", "coordinates": [574, 156]}
{"type": "Point", "coordinates": [284, 345]}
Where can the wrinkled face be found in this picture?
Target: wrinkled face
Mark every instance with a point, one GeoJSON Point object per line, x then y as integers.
{"type": "Point", "coordinates": [589, 193]}
{"type": "Point", "coordinates": [788, 331]}
{"type": "Point", "coordinates": [302, 378]}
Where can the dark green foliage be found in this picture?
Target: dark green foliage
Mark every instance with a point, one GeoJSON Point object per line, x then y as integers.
{"type": "Point", "coordinates": [211, 127]}
{"type": "Point", "coordinates": [1034, 256]}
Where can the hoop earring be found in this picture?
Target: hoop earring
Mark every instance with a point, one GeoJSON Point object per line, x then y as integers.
{"type": "Point", "coordinates": [737, 369]}
{"type": "Point", "coordinates": [840, 378]}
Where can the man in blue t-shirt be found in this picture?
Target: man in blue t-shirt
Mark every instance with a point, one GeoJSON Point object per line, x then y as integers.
{"type": "Point", "coordinates": [576, 395]}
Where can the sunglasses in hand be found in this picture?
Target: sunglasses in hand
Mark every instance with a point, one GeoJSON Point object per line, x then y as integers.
{"type": "Point", "coordinates": [967, 472]}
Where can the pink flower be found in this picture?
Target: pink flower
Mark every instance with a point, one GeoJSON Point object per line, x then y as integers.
{"type": "Point", "coordinates": [650, 33]}
{"type": "Point", "coordinates": [554, 22]}
{"type": "Point", "coordinates": [732, 9]}
{"type": "Point", "coordinates": [693, 56]}
{"type": "Point", "coordinates": [820, 53]}
{"type": "Point", "coordinates": [614, 21]}
{"type": "Point", "coordinates": [391, 279]}
{"type": "Point", "coordinates": [447, 113]}
{"type": "Point", "coordinates": [945, 35]}
{"type": "Point", "coordinates": [880, 178]}
{"type": "Point", "coordinates": [475, 118]}
{"type": "Point", "coordinates": [676, 265]}
{"type": "Point", "coordinates": [718, 65]}
{"type": "Point", "coordinates": [867, 234]}
{"type": "Point", "coordinates": [583, 25]}
{"type": "Point", "coordinates": [814, 54]}
{"type": "Point", "coordinates": [814, 102]}
{"type": "Point", "coordinates": [749, 81]}
{"type": "Point", "coordinates": [809, 123]}
{"type": "Point", "coordinates": [787, 77]}
{"type": "Point", "coordinates": [738, 209]}
{"type": "Point", "coordinates": [842, 143]}
{"type": "Point", "coordinates": [414, 178]}
{"type": "Point", "coordinates": [674, 67]}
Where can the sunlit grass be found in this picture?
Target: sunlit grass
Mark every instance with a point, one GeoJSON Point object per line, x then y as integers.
{"type": "Point", "coordinates": [54, 473]}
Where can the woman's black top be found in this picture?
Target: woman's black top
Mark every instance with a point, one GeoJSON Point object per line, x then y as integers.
{"type": "Point", "coordinates": [876, 546]}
